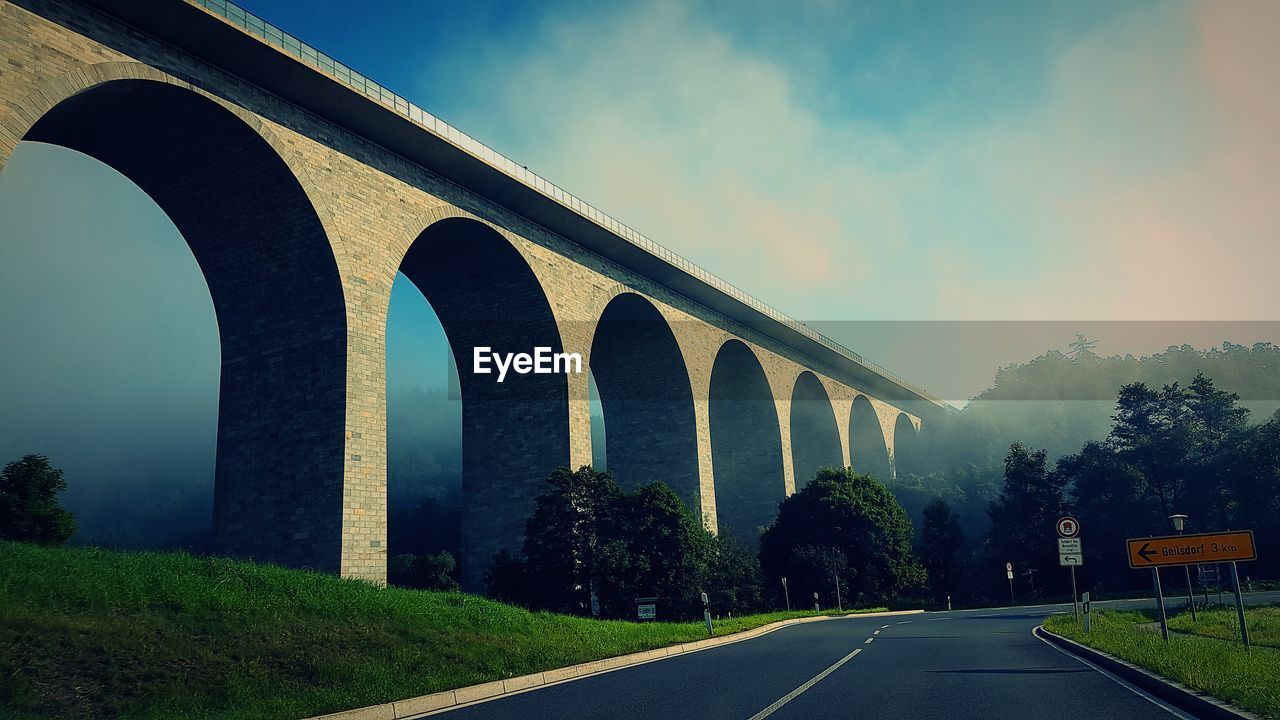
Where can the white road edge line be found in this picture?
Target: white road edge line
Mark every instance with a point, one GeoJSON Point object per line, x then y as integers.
{"type": "Point", "coordinates": [810, 683]}
{"type": "Point", "coordinates": [1121, 682]}
{"type": "Point", "coordinates": [883, 627]}
{"type": "Point", "coordinates": [904, 622]}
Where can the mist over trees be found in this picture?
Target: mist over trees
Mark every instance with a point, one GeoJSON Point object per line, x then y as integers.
{"type": "Point", "coordinates": [1058, 402]}
{"type": "Point", "coordinates": [1187, 449]}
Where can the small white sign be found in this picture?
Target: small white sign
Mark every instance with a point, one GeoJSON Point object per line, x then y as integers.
{"type": "Point", "coordinates": [1009, 574]}
{"type": "Point", "coordinates": [647, 611]}
{"type": "Point", "coordinates": [1070, 551]}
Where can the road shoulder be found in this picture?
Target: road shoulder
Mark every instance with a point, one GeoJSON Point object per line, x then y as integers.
{"type": "Point", "coordinates": [1172, 692]}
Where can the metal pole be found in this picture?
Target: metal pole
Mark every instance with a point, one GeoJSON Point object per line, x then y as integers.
{"type": "Point", "coordinates": [836, 578]}
{"type": "Point", "coordinates": [1244, 629]}
{"type": "Point", "coordinates": [1191, 598]}
{"type": "Point", "coordinates": [786, 593]}
{"type": "Point", "coordinates": [1164, 621]}
{"type": "Point", "coordinates": [1075, 608]}
{"type": "Point", "coordinates": [1012, 601]}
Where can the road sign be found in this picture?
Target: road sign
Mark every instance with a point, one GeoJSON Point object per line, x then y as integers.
{"type": "Point", "coordinates": [1009, 574]}
{"type": "Point", "coordinates": [1068, 527]}
{"type": "Point", "coordinates": [646, 608]}
{"type": "Point", "coordinates": [1070, 552]}
{"type": "Point", "coordinates": [1191, 549]}
{"type": "Point", "coordinates": [1008, 567]}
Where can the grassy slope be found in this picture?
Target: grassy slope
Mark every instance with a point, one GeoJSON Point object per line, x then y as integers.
{"type": "Point", "coordinates": [1222, 623]}
{"type": "Point", "coordinates": [94, 633]}
{"type": "Point", "coordinates": [1224, 669]}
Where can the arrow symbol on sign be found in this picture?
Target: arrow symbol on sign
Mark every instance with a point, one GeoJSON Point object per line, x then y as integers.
{"type": "Point", "coordinates": [1145, 551]}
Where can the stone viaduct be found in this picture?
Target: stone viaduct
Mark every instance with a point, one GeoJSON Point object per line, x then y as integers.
{"type": "Point", "coordinates": [303, 188]}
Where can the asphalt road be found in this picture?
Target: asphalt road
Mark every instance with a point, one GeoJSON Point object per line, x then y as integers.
{"type": "Point", "coordinates": [953, 665]}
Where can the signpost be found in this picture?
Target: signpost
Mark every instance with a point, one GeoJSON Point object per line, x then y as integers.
{"type": "Point", "coordinates": [706, 613]}
{"type": "Point", "coordinates": [1191, 549]}
{"type": "Point", "coordinates": [646, 608]}
{"type": "Point", "coordinates": [1158, 552]}
{"type": "Point", "coordinates": [1085, 602]}
{"type": "Point", "coordinates": [1008, 571]}
{"type": "Point", "coordinates": [1070, 553]}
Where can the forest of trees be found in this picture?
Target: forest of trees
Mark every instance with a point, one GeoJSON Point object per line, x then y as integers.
{"type": "Point", "coordinates": [1119, 442]}
{"type": "Point", "coordinates": [1058, 402]}
{"type": "Point", "coordinates": [1174, 449]}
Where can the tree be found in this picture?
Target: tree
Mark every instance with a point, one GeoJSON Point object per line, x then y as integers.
{"type": "Point", "coordinates": [1080, 346]}
{"type": "Point", "coordinates": [1023, 516]}
{"type": "Point", "coordinates": [588, 537]}
{"type": "Point", "coordinates": [940, 542]}
{"type": "Point", "coordinates": [1112, 501]}
{"type": "Point", "coordinates": [564, 536]}
{"type": "Point", "coordinates": [29, 508]}
{"type": "Point", "coordinates": [852, 518]}
{"type": "Point", "coordinates": [429, 571]}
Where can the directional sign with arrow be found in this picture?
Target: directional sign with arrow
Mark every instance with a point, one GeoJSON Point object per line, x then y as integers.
{"type": "Point", "coordinates": [1191, 549]}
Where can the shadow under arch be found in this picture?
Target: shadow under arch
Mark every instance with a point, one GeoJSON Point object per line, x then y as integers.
{"type": "Point", "coordinates": [277, 296]}
{"type": "Point", "coordinates": [907, 458]}
{"type": "Point", "coordinates": [746, 444]}
{"type": "Point", "coordinates": [514, 431]}
{"type": "Point", "coordinates": [815, 437]}
{"type": "Point", "coordinates": [868, 452]}
{"type": "Point", "coordinates": [647, 399]}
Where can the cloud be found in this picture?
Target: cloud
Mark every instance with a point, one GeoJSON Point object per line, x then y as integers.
{"type": "Point", "coordinates": [1132, 189]}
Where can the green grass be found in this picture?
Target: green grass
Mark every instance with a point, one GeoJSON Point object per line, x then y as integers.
{"type": "Point", "coordinates": [1222, 668]}
{"type": "Point", "coordinates": [88, 633]}
{"type": "Point", "coordinates": [1222, 623]}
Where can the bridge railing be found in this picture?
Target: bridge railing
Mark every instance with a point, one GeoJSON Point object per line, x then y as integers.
{"type": "Point", "coordinates": [283, 41]}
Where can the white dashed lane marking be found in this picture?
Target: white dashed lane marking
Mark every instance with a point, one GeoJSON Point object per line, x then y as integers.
{"type": "Point", "coordinates": [811, 682]}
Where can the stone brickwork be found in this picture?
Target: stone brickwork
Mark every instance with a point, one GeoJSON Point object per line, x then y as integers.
{"type": "Point", "coordinates": [301, 226]}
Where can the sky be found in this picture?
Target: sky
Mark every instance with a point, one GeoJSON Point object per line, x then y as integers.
{"type": "Point", "coordinates": [881, 161]}
{"type": "Point", "coordinates": [944, 187]}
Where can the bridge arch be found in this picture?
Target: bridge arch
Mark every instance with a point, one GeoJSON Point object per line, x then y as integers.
{"type": "Point", "coordinates": [646, 398]}
{"type": "Point", "coordinates": [868, 451]}
{"type": "Point", "coordinates": [815, 436]}
{"type": "Point", "coordinates": [746, 443]}
{"type": "Point", "coordinates": [273, 279]}
{"type": "Point", "coordinates": [907, 453]}
{"type": "Point", "coordinates": [514, 431]}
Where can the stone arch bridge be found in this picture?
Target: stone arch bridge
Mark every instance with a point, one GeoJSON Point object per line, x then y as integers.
{"type": "Point", "coordinates": [303, 188]}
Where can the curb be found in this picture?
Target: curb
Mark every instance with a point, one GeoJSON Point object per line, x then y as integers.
{"type": "Point", "coordinates": [424, 705]}
{"type": "Point", "coordinates": [1171, 691]}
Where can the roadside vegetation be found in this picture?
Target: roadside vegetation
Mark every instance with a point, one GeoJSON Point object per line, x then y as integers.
{"type": "Point", "coordinates": [91, 633]}
{"type": "Point", "coordinates": [1169, 449]}
{"type": "Point", "coordinates": [1223, 668]}
{"type": "Point", "coordinates": [1222, 623]}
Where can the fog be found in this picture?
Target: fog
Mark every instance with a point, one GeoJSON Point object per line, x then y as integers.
{"type": "Point", "coordinates": [110, 365]}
